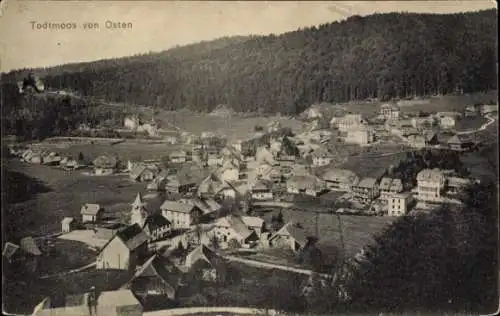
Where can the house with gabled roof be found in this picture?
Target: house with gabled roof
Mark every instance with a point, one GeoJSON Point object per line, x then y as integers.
{"type": "Point", "coordinates": [366, 190]}
{"type": "Point", "coordinates": [91, 212]}
{"type": "Point", "coordinates": [213, 186]}
{"type": "Point", "coordinates": [125, 250]}
{"type": "Point", "coordinates": [291, 235]}
{"type": "Point", "coordinates": [261, 191]}
{"type": "Point", "coordinates": [255, 223]}
{"type": "Point", "coordinates": [338, 179]}
{"type": "Point", "coordinates": [156, 226]}
{"type": "Point", "coordinates": [180, 215]}
{"type": "Point", "coordinates": [157, 277]}
{"type": "Point", "coordinates": [203, 262]}
{"type": "Point", "coordinates": [305, 184]}
{"type": "Point", "coordinates": [232, 227]}
{"type": "Point", "coordinates": [142, 172]}
{"type": "Point", "coordinates": [321, 157]}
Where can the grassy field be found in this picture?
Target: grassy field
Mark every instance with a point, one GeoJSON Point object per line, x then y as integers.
{"type": "Point", "coordinates": [234, 127]}
{"type": "Point", "coordinates": [358, 231]}
{"type": "Point", "coordinates": [370, 166]}
{"type": "Point", "coordinates": [469, 123]}
{"type": "Point", "coordinates": [451, 102]}
{"type": "Point", "coordinates": [43, 213]}
{"type": "Point", "coordinates": [433, 104]}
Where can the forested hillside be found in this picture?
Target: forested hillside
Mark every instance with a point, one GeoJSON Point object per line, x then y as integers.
{"type": "Point", "coordinates": [379, 56]}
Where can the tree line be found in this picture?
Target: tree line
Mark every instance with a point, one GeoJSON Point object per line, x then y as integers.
{"type": "Point", "coordinates": [383, 56]}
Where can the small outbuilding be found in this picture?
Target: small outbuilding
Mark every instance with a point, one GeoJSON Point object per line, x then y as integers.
{"type": "Point", "coordinates": [67, 224]}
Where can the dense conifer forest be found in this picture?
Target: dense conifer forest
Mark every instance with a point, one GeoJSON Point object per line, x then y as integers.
{"type": "Point", "coordinates": [383, 56]}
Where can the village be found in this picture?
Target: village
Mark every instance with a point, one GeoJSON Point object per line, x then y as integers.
{"type": "Point", "coordinates": [237, 201]}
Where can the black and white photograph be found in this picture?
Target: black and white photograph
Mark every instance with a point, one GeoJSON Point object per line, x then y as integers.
{"type": "Point", "coordinates": [220, 158]}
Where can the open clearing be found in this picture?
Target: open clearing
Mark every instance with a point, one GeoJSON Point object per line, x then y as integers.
{"type": "Point", "coordinates": [371, 166]}
{"type": "Point", "coordinates": [43, 213]}
{"type": "Point", "coordinates": [358, 231]}
{"type": "Point", "coordinates": [234, 127]}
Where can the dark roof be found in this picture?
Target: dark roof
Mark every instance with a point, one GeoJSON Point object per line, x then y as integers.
{"type": "Point", "coordinates": [203, 253]}
{"type": "Point", "coordinates": [160, 267]}
{"type": "Point", "coordinates": [133, 236]}
{"type": "Point", "coordinates": [155, 221]}
{"type": "Point", "coordinates": [291, 229]}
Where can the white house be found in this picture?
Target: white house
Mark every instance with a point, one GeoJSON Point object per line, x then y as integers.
{"type": "Point", "coordinates": [340, 179]}
{"type": "Point", "coordinates": [261, 191]}
{"type": "Point", "coordinates": [233, 228]}
{"type": "Point", "coordinates": [90, 212]}
{"type": "Point", "coordinates": [430, 184]}
{"type": "Point", "coordinates": [389, 111]}
{"type": "Point", "coordinates": [289, 236]}
{"type": "Point", "coordinates": [156, 226]}
{"type": "Point", "coordinates": [361, 136]}
{"type": "Point", "coordinates": [180, 215]}
{"type": "Point", "coordinates": [447, 122]}
{"type": "Point", "coordinates": [321, 157]}
{"type": "Point", "coordinates": [131, 123]}
{"type": "Point", "coordinates": [124, 250]}
{"type": "Point", "coordinates": [398, 204]}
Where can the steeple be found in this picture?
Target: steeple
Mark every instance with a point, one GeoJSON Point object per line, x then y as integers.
{"type": "Point", "coordinates": [139, 213]}
{"type": "Point", "coordinates": [138, 201]}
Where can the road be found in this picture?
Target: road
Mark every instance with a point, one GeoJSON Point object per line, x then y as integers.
{"type": "Point", "coordinates": [268, 265]}
{"type": "Point", "coordinates": [90, 265]}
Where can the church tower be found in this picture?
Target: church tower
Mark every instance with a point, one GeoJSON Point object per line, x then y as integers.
{"type": "Point", "coordinates": [139, 213]}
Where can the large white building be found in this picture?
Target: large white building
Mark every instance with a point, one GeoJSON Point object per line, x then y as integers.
{"type": "Point", "coordinates": [430, 185]}
{"type": "Point", "coordinates": [389, 111]}
{"type": "Point", "coordinates": [348, 122]}
{"type": "Point", "coordinates": [361, 136]}
{"type": "Point", "coordinates": [398, 204]}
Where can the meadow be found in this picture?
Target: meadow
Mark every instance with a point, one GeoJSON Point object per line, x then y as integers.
{"type": "Point", "coordinates": [358, 231]}
{"type": "Point", "coordinates": [234, 127]}
{"type": "Point", "coordinates": [43, 213]}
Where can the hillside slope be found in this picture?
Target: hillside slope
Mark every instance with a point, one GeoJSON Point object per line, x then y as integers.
{"type": "Point", "coordinates": [378, 56]}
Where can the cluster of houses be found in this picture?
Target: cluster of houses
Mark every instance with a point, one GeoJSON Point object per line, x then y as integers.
{"type": "Point", "coordinates": [50, 158]}
{"type": "Point", "coordinates": [416, 131]}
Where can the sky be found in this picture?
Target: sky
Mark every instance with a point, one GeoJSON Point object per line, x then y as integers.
{"type": "Point", "coordinates": [159, 25]}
